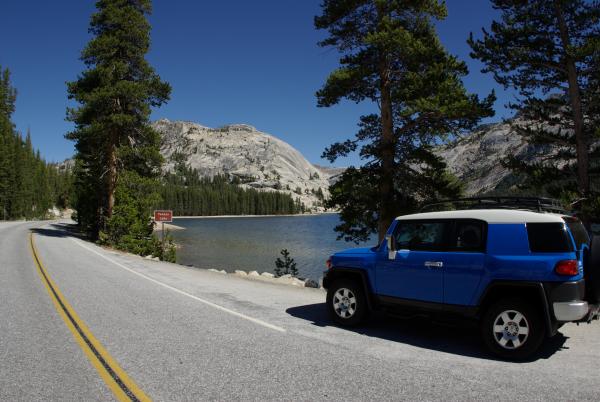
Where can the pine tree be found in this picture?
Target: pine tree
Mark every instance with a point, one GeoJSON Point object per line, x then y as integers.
{"type": "Point", "coordinates": [549, 51]}
{"type": "Point", "coordinates": [112, 134]}
{"type": "Point", "coordinates": [28, 173]}
{"type": "Point", "coordinates": [16, 195]}
{"type": "Point", "coordinates": [8, 97]}
{"type": "Point", "coordinates": [25, 178]}
{"type": "Point", "coordinates": [285, 266]}
{"type": "Point", "coordinates": [391, 56]}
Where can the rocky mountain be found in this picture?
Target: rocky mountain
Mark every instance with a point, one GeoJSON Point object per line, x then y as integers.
{"type": "Point", "coordinates": [332, 172]}
{"type": "Point", "coordinates": [256, 159]}
{"type": "Point", "coordinates": [476, 158]}
{"type": "Point", "coordinates": [264, 162]}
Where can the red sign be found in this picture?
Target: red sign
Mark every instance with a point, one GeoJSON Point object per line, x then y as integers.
{"type": "Point", "coordinates": [163, 216]}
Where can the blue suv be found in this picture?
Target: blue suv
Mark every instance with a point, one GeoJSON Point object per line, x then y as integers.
{"type": "Point", "coordinates": [522, 274]}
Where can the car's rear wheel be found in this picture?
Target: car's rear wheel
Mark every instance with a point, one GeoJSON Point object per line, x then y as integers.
{"type": "Point", "coordinates": [512, 329]}
{"type": "Point", "coordinates": [346, 302]}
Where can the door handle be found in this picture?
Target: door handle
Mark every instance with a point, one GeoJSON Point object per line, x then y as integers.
{"type": "Point", "coordinates": [434, 264]}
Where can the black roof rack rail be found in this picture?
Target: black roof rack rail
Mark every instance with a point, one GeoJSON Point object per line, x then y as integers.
{"type": "Point", "coordinates": [537, 204]}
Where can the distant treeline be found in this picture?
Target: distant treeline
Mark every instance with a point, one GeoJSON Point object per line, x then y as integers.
{"type": "Point", "coordinates": [28, 185]}
{"type": "Point", "coordinates": [186, 193]}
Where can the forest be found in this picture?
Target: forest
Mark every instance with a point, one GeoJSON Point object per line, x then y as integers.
{"type": "Point", "coordinates": [188, 194]}
{"type": "Point", "coordinates": [29, 186]}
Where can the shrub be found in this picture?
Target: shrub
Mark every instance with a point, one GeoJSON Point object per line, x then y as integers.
{"type": "Point", "coordinates": [285, 266]}
{"type": "Point", "coordinates": [130, 227]}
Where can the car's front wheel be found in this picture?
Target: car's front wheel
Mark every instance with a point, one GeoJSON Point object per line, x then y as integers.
{"type": "Point", "coordinates": [346, 302]}
{"type": "Point", "coordinates": [512, 329]}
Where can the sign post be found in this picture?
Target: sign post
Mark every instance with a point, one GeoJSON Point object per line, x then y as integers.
{"type": "Point", "coordinates": [163, 216]}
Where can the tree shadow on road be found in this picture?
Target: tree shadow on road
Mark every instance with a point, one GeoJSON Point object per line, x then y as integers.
{"type": "Point", "coordinates": [460, 337]}
{"type": "Point", "coordinates": [60, 230]}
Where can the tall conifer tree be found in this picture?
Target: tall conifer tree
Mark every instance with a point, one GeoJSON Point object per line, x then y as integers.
{"type": "Point", "coordinates": [112, 136]}
{"type": "Point", "coordinates": [7, 107]}
{"type": "Point", "coordinates": [391, 56]}
{"type": "Point", "coordinates": [549, 52]}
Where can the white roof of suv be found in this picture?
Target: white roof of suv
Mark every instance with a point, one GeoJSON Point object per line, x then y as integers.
{"type": "Point", "coordinates": [490, 216]}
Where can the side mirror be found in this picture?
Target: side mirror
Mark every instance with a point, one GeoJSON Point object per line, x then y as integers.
{"type": "Point", "coordinates": [391, 247]}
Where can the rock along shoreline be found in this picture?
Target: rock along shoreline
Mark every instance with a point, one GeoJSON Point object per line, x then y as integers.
{"type": "Point", "coordinates": [255, 275]}
{"type": "Point", "coordinates": [269, 277]}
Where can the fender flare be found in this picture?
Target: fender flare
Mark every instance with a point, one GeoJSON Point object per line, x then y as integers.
{"type": "Point", "coordinates": [336, 272]}
{"type": "Point", "coordinates": [540, 294]}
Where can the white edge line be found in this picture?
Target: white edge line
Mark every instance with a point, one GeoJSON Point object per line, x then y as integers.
{"type": "Point", "coordinates": [216, 306]}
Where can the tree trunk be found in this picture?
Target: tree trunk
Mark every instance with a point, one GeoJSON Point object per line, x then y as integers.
{"type": "Point", "coordinates": [112, 166]}
{"type": "Point", "coordinates": [386, 181]}
{"type": "Point", "coordinates": [111, 179]}
{"type": "Point", "coordinates": [386, 184]}
{"type": "Point", "coordinates": [582, 142]}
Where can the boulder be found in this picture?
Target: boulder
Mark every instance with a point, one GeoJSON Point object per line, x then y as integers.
{"type": "Point", "coordinates": [240, 272]}
{"type": "Point", "coordinates": [297, 282]}
{"type": "Point", "coordinates": [253, 273]}
{"type": "Point", "coordinates": [290, 280]}
{"type": "Point", "coordinates": [267, 275]}
{"type": "Point", "coordinates": [311, 283]}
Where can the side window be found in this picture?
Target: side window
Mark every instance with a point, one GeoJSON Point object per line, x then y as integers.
{"type": "Point", "coordinates": [469, 235]}
{"type": "Point", "coordinates": [548, 238]}
{"type": "Point", "coordinates": [421, 235]}
{"type": "Point", "coordinates": [580, 235]}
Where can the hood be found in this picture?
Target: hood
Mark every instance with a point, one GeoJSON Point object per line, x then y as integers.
{"type": "Point", "coordinates": [354, 251]}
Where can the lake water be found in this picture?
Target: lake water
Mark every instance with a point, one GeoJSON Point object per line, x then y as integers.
{"type": "Point", "coordinates": [254, 243]}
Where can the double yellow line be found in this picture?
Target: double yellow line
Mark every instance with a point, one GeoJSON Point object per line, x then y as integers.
{"type": "Point", "coordinates": [113, 375]}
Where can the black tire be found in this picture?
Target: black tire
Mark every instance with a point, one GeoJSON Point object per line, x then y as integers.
{"type": "Point", "coordinates": [518, 345]}
{"type": "Point", "coordinates": [591, 270]}
{"type": "Point", "coordinates": [356, 310]}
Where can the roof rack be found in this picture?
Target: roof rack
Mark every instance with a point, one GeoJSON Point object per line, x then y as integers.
{"type": "Point", "coordinates": [538, 204]}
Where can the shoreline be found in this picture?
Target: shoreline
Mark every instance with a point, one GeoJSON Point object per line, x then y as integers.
{"type": "Point", "coordinates": [265, 276]}
{"type": "Point", "coordinates": [168, 226]}
{"type": "Point", "coordinates": [253, 216]}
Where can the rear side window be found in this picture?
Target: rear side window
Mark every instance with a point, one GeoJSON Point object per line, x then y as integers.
{"type": "Point", "coordinates": [580, 235]}
{"type": "Point", "coordinates": [421, 235]}
{"type": "Point", "coordinates": [549, 238]}
{"type": "Point", "coordinates": [469, 235]}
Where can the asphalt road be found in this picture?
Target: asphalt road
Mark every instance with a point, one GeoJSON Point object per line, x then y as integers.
{"type": "Point", "coordinates": [182, 333]}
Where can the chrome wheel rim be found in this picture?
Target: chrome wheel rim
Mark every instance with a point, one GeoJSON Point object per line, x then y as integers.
{"type": "Point", "coordinates": [344, 303]}
{"type": "Point", "coordinates": [511, 329]}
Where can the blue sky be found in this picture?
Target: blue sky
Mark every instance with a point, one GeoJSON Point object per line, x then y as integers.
{"type": "Point", "coordinates": [228, 61]}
